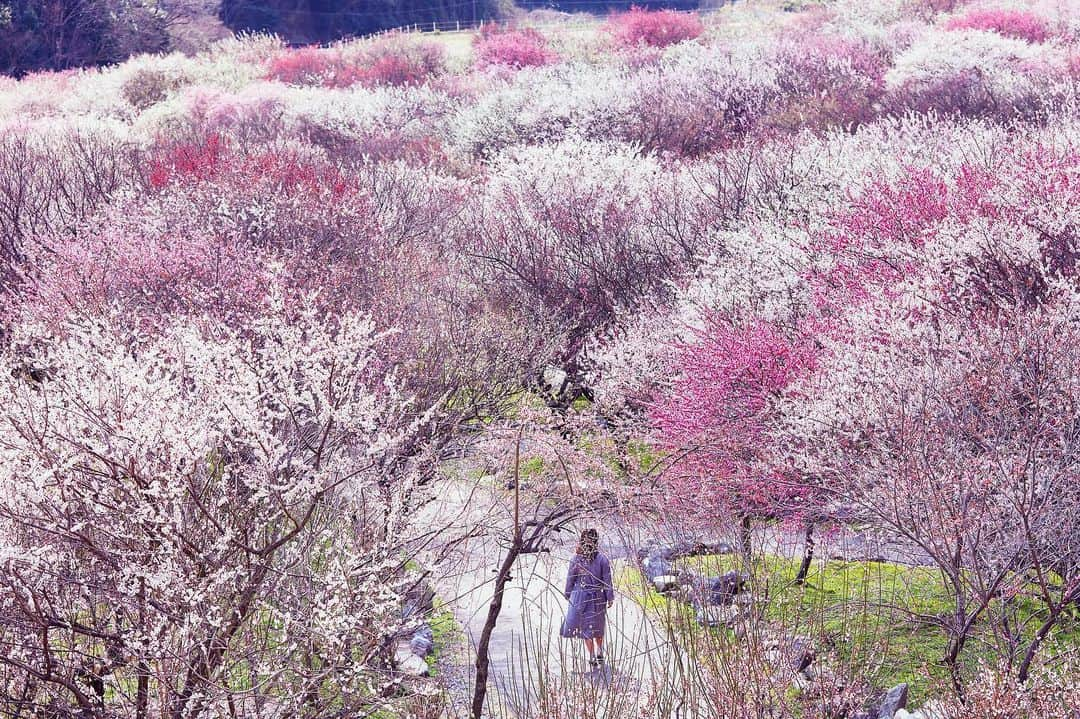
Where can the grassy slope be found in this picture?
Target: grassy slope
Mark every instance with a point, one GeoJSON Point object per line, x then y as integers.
{"type": "Point", "coordinates": [874, 614]}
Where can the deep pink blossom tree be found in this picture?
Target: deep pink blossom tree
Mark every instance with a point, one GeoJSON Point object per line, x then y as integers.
{"type": "Point", "coordinates": [654, 28]}
{"type": "Point", "coordinates": [1008, 22]}
{"type": "Point", "coordinates": [513, 48]}
{"type": "Point", "coordinates": [721, 413]}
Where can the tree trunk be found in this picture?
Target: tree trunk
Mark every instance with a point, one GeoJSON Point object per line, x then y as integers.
{"type": "Point", "coordinates": [1033, 648]}
{"type": "Point", "coordinates": [952, 657]}
{"type": "Point", "coordinates": [501, 578]}
{"type": "Point", "coordinates": [142, 684]}
{"type": "Point", "coordinates": [808, 555]}
{"type": "Point", "coordinates": [482, 648]}
{"type": "Point", "coordinates": [744, 540]}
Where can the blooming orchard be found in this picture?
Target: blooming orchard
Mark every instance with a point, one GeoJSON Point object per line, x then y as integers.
{"type": "Point", "coordinates": [820, 272]}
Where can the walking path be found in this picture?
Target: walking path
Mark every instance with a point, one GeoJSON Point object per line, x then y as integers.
{"type": "Point", "coordinates": [527, 656]}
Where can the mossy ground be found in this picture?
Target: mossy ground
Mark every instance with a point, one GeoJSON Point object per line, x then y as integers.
{"type": "Point", "coordinates": [881, 620]}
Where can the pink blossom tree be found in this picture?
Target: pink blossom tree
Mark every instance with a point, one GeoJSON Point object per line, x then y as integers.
{"type": "Point", "coordinates": [721, 411]}
{"type": "Point", "coordinates": [1010, 23]}
{"type": "Point", "coordinates": [513, 48]}
{"type": "Point", "coordinates": [654, 28]}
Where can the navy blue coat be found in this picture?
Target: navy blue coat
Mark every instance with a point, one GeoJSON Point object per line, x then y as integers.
{"type": "Point", "coordinates": [588, 587]}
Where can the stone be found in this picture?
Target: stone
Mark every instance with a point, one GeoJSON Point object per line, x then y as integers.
{"type": "Point", "coordinates": [555, 379]}
{"type": "Point", "coordinates": [801, 683]}
{"type": "Point", "coordinates": [422, 642]}
{"type": "Point", "coordinates": [419, 600]}
{"type": "Point", "coordinates": [408, 663]}
{"type": "Point", "coordinates": [903, 714]}
{"type": "Point", "coordinates": [932, 709]}
{"type": "Point", "coordinates": [665, 583]}
{"type": "Point", "coordinates": [802, 654]}
{"type": "Point", "coordinates": [715, 616]}
{"type": "Point", "coordinates": [655, 566]}
{"type": "Point", "coordinates": [414, 666]}
{"type": "Point", "coordinates": [744, 599]}
{"type": "Point", "coordinates": [723, 589]}
{"type": "Point", "coordinates": [895, 700]}
{"type": "Point", "coordinates": [692, 548]}
{"type": "Point", "coordinates": [842, 556]}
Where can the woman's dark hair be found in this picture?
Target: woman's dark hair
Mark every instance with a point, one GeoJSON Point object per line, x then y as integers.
{"type": "Point", "coordinates": [588, 545]}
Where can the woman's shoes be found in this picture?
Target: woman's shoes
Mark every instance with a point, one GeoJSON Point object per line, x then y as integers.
{"type": "Point", "coordinates": [597, 661]}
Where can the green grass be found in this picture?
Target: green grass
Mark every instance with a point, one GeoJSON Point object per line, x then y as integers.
{"type": "Point", "coordinates": [445, 631]}
{"type": "Point", "coordinates": [874, 616]}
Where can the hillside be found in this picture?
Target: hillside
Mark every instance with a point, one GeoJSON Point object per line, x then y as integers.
{"type": "Point", "coordinates": [319, 363]}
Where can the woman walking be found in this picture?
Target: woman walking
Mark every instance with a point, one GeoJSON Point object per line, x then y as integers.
{"type": "Point", "coordinates": [588, 587]}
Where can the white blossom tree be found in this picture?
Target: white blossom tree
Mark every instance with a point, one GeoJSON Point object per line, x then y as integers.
{"type": "Point", "coordinates": [203, 522]}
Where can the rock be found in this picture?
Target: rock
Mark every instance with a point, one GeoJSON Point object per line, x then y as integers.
{"type": "Point", "coordinates": [692, 548]}
{"type": "Point", "coordinates": [655, 566]}
{"type": "Point", "coordinates": [665, 583]}
{"type": "Point", "coordinates": [895, 700]}
{"type": "Point", "coordinates": [932, 709]}
{"type": "Point", "coordinates": [555, 379]}
{"type": "Point", "coordinates": [723, 589]}
{"type": "Point", "coordinates": [419, 601]}
{"type": "Point", "coordinates": [796, 653]}
{"type": "Point", "coordinates": [842, 556]}
{"type": "Point", "coordinates": [684, 594]}
{"type": "Point", "coordinates": [422, 642]}
{"type": "Point", "coordinates": [715, 616]}
{"type": "Point", "coordinates": [414, 666]}
{"type": "Point", "coordinates": [802, 654]}
{"type": "Point", "coordinates": [801, 683]}
{"type": "Point", "coordinates": [903, 714]}
{"type": "Point", "coordinates": [408, 663]}
{"type": "Point", "coordinates": [681, 548]}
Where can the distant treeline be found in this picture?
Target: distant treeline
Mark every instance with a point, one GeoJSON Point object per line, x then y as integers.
{"type": "Point", "coordinates": [59, 34]}
{"type": "Point", "coordinates": [604, 6]}
{"type": "Point", "coordinates": [306, 21]}
{"type": "Point", "coordinates": [309, 21]}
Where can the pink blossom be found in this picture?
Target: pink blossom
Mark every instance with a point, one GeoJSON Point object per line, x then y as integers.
{"type": "Point", "coordinates": [513, 48]}
{"type": "Point", "coordinates": [1019, 24]}
{"type": "Point", "coordinates": [654, 28]}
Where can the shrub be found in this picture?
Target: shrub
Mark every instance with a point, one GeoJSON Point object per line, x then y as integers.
{"type": "Point", "coordinates": [303, 66]}
{"type": "Point", "coordinates": [828, 79]}
{"type": "Point", "coordinates": [698, 100]}
{"type": "Point", "coordinates": [658, 28]}
{"type": "Point", "coordinates": [149, 86]}
{"type": "Point", "coordinates": [397, 60]}
{"type": "Point", "coordinates": [514, 48]}
{"type": "Point", "coordinates": [1019, 24]}
{"type": "Point", "coordinates": [389, 61]}
{"type": "Point", "coordinates": [996, 695]}
{"type": "Point", "coordinates": [976, 73]}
